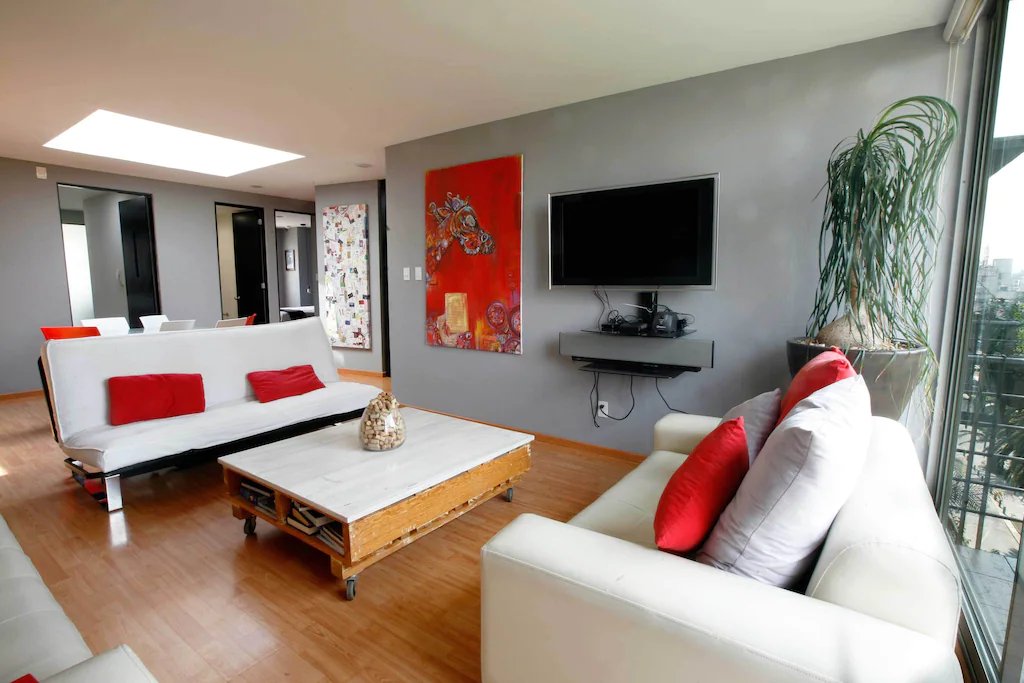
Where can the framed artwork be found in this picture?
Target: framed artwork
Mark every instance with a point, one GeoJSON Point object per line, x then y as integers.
{"type": "Point", "coordinates": [474, 226]}
{"type": "Point", "coordinates": [289, 259]}
{"type": "Point", "coordinates": [346, 293]}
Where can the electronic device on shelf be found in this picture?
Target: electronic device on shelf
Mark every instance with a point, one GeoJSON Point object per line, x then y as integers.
{"type": "Point", "coordinates": [638, 237]}
{"type": "Point", "coordinates": [619, 367]}
{"type": "Point", "coordinates": [655, 320]}
{"type": "Point", "coordinates": [665, 324]}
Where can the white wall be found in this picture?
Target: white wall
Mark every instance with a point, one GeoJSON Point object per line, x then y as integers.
{"type": "Point", "coordinates": [226, 263]}
{"type": "Point", "coordinates": [76, 261]}
{"type": "Point", "coordinates": [106, 255]}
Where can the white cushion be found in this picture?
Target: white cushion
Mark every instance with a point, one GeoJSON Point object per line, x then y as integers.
{"type": "Point", "coordinates": [782, 511]}
{"type": "Point", "coordinates": [111, 448]}
{"type": "Point", "coordinates": [627, 509]}
{"type": "Point", "coordinates": [886, 554]}
{"type": "Point", "coordinates": [35, 635]}
{"type": "Point", "coordinates": [78, 369]}
{"type": "Point", "coordinates": [119, 665]}
{"type": "Point", "coordinates": [760, 415]}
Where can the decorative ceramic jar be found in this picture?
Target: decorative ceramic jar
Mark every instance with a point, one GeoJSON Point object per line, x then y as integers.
{"type": "Point", "coordinates": [382, 427]}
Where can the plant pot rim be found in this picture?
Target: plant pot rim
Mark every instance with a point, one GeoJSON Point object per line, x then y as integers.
{"type": "Point", "coordinates": [802, 341]}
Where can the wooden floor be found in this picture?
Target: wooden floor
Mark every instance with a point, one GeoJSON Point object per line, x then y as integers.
{"type": "Point", "coordinates": [174, 577]}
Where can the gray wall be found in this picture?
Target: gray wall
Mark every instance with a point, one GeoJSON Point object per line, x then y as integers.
{"type": "Point", "coordinates": [341, 195]}
{"type": "Point", "coordinates": [767, 128]}
{"type": "Point", "coordinates": [32, 274]}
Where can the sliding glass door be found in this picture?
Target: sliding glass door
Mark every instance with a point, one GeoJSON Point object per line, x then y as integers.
{"type": "Point", "coordinates": [984, 491]}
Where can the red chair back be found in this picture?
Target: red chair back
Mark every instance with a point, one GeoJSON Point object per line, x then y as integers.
{"type": "Point", "coordinates": [69, 332]}
{"type": "Point", "coordinates": [251, 320]}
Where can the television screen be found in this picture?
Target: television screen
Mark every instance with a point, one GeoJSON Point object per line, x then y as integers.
{"type": "Point", "coordinates": [645, 236]}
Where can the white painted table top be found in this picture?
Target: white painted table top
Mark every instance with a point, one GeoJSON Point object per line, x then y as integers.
{"type": "Point", "coordinates": [329, 470]}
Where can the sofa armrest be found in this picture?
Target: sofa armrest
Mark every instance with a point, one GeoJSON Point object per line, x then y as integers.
{"type": "Point", "coordinates": [566, 604]}
{"type": "Point", "coordinates": [681, 433]}
{"type": "Point", "coordinates": [119, 665]}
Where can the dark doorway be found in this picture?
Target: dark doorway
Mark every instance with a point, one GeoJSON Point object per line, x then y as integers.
{"type": "Point", "coordinates": [385, 320]}
{"type": "Point", "coordinates": [242, 252]}
{"type": "Point", "coordinates": [139, 261]}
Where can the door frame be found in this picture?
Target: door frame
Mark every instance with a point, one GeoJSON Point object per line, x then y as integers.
{"type": "Point", "coordinates": [152, 235]}
{"type": "Point", "coordinates": [316, 257]}
{"type": "Point", "coordinates": [263, 251]}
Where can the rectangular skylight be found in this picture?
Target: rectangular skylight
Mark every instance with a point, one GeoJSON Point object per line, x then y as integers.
{"type": "Point", "coordinates": [116, 136]}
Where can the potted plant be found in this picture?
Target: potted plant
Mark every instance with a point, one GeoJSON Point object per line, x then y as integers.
{"type": "Point", "coordinates": [877, 242]}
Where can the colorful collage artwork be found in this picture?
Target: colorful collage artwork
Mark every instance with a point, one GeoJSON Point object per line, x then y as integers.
{"type": "Point", "coordinates": [474, 255]}
{"type": "Point", "coordinates": [346, 313]}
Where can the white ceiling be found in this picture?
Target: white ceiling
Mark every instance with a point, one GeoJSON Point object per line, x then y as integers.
{"type": "Point", "coordinates": [338, 80]}
{"type": "Point", "coordinates": [289, 219]}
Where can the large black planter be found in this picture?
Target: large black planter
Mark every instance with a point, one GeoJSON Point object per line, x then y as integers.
{"type": "Point", "coordinates": [891, 376]}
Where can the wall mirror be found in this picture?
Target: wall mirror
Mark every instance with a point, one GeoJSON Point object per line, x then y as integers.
{"type": "Point", "coordinates": [296, 265]}
{"type": "Point", "coordinates": [109, 253]}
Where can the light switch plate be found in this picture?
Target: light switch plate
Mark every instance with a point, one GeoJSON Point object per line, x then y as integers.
{"type": "Point", "coordinates": [419, 272]}
{"type": "Point", "coordinates": [405, 273]}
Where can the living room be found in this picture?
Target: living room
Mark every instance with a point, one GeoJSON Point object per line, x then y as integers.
{"type": "Point", "coordinates": [202, 501]}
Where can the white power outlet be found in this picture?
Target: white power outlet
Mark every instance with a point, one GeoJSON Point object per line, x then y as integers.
{"type": "Point", "coordinates": [602, 409]}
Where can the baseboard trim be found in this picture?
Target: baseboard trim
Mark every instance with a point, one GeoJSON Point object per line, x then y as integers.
{"type": "Point", "coordinates": [362, 373]}
{"type": "Point", "coordinates": [553, 440]}
{"type": "Point", "coordinates": [38, 393]}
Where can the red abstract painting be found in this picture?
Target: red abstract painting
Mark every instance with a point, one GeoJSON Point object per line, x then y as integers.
{"type": "Point", "coordinates": [474, 255]}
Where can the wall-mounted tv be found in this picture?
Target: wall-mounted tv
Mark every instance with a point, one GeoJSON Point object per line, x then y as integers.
{"type": "Point", "coordinates": [640, 237]}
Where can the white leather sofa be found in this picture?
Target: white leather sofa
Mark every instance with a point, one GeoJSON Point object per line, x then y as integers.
{"type": "Point", "coordinates": [37, 638]}
{"type": "Point", "coordinates": [594, 601]}
{"type": "Point", "coordinates": [76, 373]}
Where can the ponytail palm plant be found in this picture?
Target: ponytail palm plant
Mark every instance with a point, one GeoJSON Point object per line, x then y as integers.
{"type": "Point", "coordinates": [879, 232]}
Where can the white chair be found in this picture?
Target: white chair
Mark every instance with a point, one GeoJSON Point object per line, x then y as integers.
{"type": "Point", "coordinates": [175, 325]}
{"type": "Point", "coordinates": [152, 323]}
{"type": "Point", "coordinates": [108, 327]}
{"type": "Point", "coordinates": [231, 322]}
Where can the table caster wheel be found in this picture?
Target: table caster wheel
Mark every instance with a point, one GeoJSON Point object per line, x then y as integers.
{"type": "Point", "coordinates": [250, 525]}
{"type": "Point", "coordinates": [350, 588]}
{"type": "Point", "coordinates": [509, 493]}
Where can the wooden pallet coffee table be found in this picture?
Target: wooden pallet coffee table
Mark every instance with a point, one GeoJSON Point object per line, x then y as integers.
{"type": "Point", "coordinates": [383, 500]}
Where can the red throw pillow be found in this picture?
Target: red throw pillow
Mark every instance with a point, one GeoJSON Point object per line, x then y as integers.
{"type": "Point", "coordinates": [27, 678]}
{"type": "Point", "coordinates": [271, 385]}
{"type": "Point", "coordinates": [153, 397]}
{"type": "Point", "coordinates": [701, 488]}
{"type": "Point", "coordinates": [819, 372]}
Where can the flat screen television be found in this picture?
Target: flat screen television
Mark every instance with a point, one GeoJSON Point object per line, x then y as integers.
{"type": "Point", "coordinates": [640, 237]}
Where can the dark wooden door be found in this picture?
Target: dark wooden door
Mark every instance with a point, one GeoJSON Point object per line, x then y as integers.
{"type": "Point", "coordinates": [139, 259]}
{"type": "Point", "coordinates": [250, 264]}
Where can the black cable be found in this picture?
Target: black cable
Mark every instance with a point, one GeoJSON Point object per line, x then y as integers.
{"type": "Point", "coordinates": [604, 307]}
{"type": "Point", "coordinates": [593, 403]}
{"type": "Point", "coordinates": [674, 410]}
{"type": "Point", "coordinates": [597, 388]}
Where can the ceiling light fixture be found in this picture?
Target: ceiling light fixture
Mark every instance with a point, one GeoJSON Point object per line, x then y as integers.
{"type": "Point", "coordinates": [116, 136]}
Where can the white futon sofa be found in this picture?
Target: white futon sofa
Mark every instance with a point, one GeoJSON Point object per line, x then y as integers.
{"type": "Point", "coordinates": [37, 638]}
{"type": "Point", "coordinates": [594, 601]}
{"type": "Point", "coordinates": [76, 373]}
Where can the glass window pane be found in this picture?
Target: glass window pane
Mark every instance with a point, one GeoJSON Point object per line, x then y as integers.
{"type": "Point", "coordinates": [985, 494]}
